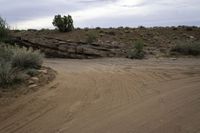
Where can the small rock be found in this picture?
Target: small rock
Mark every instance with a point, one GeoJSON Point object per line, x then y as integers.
{"type": "Point", "coordinates": [30, 82]}
{"type": "Point", "coordinates": [173, 58]}
{"type": "Point", "coordinates": [32, 86]}
{"type": "Point", "coordinates": [35, 79]}
{"type": "Point", "coordinates": [61, 42]}
{"type": "Point", "coordinates": [43, 71]}
{"type": "Point", "coordinates": [191, 37]}
{"type": "Point", "coordinates": [114, 43]}
{"type": "Point", "coordinates": [108, 41]}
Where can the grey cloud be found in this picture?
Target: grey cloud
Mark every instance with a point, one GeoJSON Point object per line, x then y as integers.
{"type": "Point", "coordinates": [96, 1]}
{"type": "Point", "coordinates": [135, 21]}
{"type": "Point", "coordinates": [19, 10]}
{"type": "Point", "coordinates": [180, 14]}
{"type": "Point", "coordinates": [166, 12]}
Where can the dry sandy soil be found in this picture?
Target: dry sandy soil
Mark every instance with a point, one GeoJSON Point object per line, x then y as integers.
{"type": "Point", "coordinates": [111, 96]}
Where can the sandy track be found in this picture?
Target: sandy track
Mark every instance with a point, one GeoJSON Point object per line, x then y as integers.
{"type": "Point", "coordinates": [111, 96]}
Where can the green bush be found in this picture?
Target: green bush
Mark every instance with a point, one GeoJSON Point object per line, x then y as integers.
{"type": "Point", "coordinates": [3, 30]}
{"type": "Point", "coordinates": [91, 37]}
{"type": "Point", "coordinates": [27, 58]}
{"type": "Point", "coordinates": [98, 28]}
{"type": "Point", "coordinates": [32, 72]}
{"type": "Point", "coordinates": [16, 62]}
{"type": "Point", "coordinates": [8, 74]}
{"type": "Point", "coordinates": [6, 53]}
{"type": "Point", "coordinates": [137, 52]}
{"type": "Point", "coordinates": [64, 24]}
{"type": "Point", "coordinates": [189, 48]}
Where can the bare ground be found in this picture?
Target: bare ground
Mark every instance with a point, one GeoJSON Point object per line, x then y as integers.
{"type": "Point", "coordinates": [111, 96]}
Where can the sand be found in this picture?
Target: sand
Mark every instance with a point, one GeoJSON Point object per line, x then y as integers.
{"type": "Point", "coordinates": [111, 96]}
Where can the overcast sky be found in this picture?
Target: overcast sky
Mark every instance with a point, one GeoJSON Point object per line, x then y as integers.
{"type": "Point", "coordinates": [25, 14]}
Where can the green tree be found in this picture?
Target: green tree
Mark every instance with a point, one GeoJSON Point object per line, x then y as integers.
{"type": "Point", "coordinates": [64, 24]}
{"type": "Point", "coordinates": [3, 30]}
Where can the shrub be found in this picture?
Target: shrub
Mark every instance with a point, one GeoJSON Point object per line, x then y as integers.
{"type": "Point", "coordinates": [22, 58]}
{"type": "Point", "coordinates": [187, 48]}
{"type": "Point", "coordinates": [32, 30]}
{"type": "Point", "coordinates": [64, 24]}
{"type": "Point", "coordinates": [86, 29]}
{"type": "Point", "coordinates": [8, 74]}
{"type": "Point", "coordinates": [6, 53]}
{"type": "Point", "coordinates": [32, 72]}
{"type": "Point", "coordinates": [137, 52]}
{"type": "Point", "coordinates": [3, 30]}
{"type": "Point", "coordinates": [16, 62]}
{"type": "Point", "coordinates": [98, 28]}
{"type": "Point", "coordinates": [91, 37]}
{"type": "Point", "coordinates": [141, 27]}
{"type": "Point", "coordinates": [27, 58]}
{"type": "Point", "coordinates": [78, 28]}
{"type": "Point", "coordinates": [16, 31]}
{"type": "Point", "coordinates": [121, 27]}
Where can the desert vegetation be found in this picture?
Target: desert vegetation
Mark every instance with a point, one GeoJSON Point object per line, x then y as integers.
{"type": "Point", "coordinates": [16, 64]}
{"type": "Point", "coordinates": [187, 48]}
{"type": "Point", "coordinates": [123, 77]}
{"type": "Point", "coordinates": [137, 50]}
{"type": "Point", "coordinates": [3, 29]}
{"type": "Point", "coordinates": [64, 24]}
{"type": "Point", "coordinates": [137, 85]}
{"type": "Point", "coordinates": [91, 37]}
{"type": "Point", "coordinates": [110, 42]}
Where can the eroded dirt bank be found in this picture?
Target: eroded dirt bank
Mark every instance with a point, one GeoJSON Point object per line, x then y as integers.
{"type": "Point", "coordinates": [112, 42]}
{"type": "Point", "coordinates": [111, 96]}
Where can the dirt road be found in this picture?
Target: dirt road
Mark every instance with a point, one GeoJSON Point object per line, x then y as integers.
{"type": "Point", "coordinates": [111, 96]}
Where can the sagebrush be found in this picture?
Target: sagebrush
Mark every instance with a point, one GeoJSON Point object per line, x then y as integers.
{"type": "Point", "coordinates": [187, 48]}
{"type": "Point", "coordinates": [137, 51]}
{"type": "Point", "coordinates": [9, 75]}
{"type": "Point", "coordinates": [16, 62]}
{"type": "Point", "coordinates": [6, 53]}
{"type": "Point", "coordinates": [91, 37]}
{"type": "Point", "coordinates": [26, 58]}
